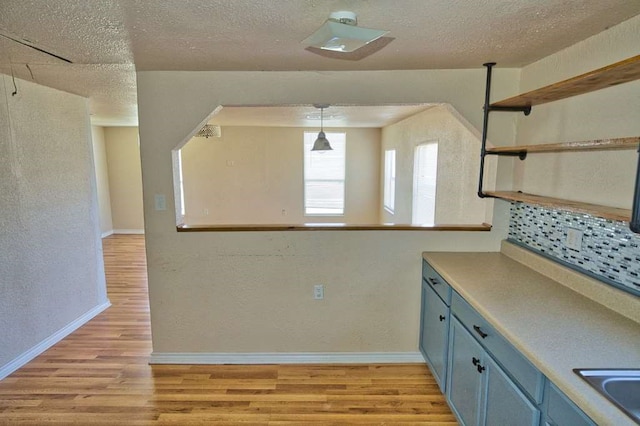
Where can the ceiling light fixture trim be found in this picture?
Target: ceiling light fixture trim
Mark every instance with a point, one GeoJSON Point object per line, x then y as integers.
{"type": "Point", "coordinates": [340, 33]}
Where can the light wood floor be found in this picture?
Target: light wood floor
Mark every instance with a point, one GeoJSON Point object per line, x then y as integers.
{"type": "Point", "coordinates": [100, 375]}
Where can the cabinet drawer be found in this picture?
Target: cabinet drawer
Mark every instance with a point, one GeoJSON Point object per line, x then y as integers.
{"type": "Point", "coordinates": [561, 410]}
{"type": "Point", "coordinates": [515, 364]}
{"type": "Point", "coordinates": [431, 277]}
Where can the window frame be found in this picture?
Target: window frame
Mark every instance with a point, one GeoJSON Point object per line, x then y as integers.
{"type": "Point", "coordinates": [389, 181]}
{"type": "Point", "coordinates": [415, 192]}
{"type": "Point", "coordinates": [183, 209]}
{"type": "Point", "coordinates": [307, 152]}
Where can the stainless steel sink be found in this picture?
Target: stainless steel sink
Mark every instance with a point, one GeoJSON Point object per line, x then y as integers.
{"type": "Point", "coordinates": [620, 386]}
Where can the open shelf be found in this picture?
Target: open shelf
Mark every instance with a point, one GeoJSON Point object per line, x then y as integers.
{"type": "Point", "coordinates": [614, 74]}
{"type": "Point", "coordinates": [593, 145]}
{"type": "Point", "coordinates": [612, 213]}
{"type": "Point", "coordinates": [618, 73]}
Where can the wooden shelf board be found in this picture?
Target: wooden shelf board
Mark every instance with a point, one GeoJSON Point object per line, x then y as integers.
{"type": "Point", "coordinates": [612, 213]}
{"type": "Point", "coordinates": [594, 145]}
{"type": "Point", "coordinates": [614, 74]}
{"type": "Point", "coordinates": [330, 227]}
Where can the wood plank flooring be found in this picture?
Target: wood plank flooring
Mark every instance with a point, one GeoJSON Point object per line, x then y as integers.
{"type": "Point", "coordinates": [100, 375]}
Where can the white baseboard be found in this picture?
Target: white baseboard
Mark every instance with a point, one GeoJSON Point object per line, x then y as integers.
{"type": "Point", "coordinates": [128, 231]}
{"type": "Point", "coordinates": [286, 358]}
{"type": "Point", "coordinates": [27, 356]}
{"type": "Point", "coordinates": [106, 234]}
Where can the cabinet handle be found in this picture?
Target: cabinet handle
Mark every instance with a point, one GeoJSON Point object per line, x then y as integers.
{"type": "Point", "coordinates": [479, 331]}
{"type": "Point", "coordinates": [481, 368]}
{"type": "Point", "coordinates": [433, 281]}
{"type": "Point", "coordinates": [475, 361]}
{"type": "Point", "coordinates": [442, 318]}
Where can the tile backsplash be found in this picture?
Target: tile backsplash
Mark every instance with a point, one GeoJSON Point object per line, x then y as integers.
{"type": "Point", "coordinates": [609, 250]}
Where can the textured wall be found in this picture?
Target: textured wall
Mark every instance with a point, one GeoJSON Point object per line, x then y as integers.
{"type": "Point", "coordinates": [609, 249]}
{"type": "Point", "coordinates": [458, 167]}
{"type": "Point", "coordinates": [51, 269]}
{"type": "Point", "coordinates": [252, 291]}
{"type": "Point", "coordinates": [597, 177]}
{"type": "Point", "coordinates": [265, 177]}
{"type": "Point", "coordinates": [125, 178]}
{"type": "Point", "coordinates": [102, 179]}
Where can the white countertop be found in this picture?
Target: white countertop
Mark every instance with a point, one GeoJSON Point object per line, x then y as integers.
{"type": "Point", "coordinates": [555, 327]}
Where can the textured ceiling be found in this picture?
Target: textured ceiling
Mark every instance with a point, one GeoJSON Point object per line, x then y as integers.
{"type": "Point", "coordinates": [309, 116]}
{"type": "Point", "coordinates": [107, 40]}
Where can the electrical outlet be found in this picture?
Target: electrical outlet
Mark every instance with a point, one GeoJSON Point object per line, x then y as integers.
{"type": "Point", "coordinates": [574, 239]}
{"type": "Point", "coordinates": [318, 292]}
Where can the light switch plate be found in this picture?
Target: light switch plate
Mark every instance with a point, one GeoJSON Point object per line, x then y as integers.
{"type": "Point", "coordinates": [160, 202]}
{"type": "Point", "coordinates": [318, 292]}
{"type": "Point", "coordinates": [574, 239]}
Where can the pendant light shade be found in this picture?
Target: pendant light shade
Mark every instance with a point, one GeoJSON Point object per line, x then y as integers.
{"type": "Point", "coordinates": [321, 143]}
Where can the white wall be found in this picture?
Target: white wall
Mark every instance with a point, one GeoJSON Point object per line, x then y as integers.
{"type": "Point", "coordinates": [252, 291]}
{"type": "Point", "coordinates": [251, 174]}
{"type": "Point", "coordinates": [597, 177]}
{"type": "Point", "coordinates": [102, 179]}
{"type": "Point", "coordinates": [457, 172]}
{"type": "Point", "coordinates": [51, 268]}
{"type": "Point", "coordinates": [125, 178]}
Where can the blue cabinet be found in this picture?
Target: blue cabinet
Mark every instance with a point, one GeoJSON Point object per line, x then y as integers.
{"type": "Point", "coordinates": [436, 282]}
{"type": "Point", "coordinates": [479, 391]}
{"type": "Point", "coordinates": [465, 381]}
{"type": "Point", "coordinates": [434, 330]}
{"type": "Point", "coordinates": [560, 410]}
{"type": "Point", "coordinates": [434, 323]}
{"type": "Point", "coordinates": [487, 381]}
{"type": "Point", "coordinates": [504, 402]}
{"type": "Point", "coordinates": [520, 370]}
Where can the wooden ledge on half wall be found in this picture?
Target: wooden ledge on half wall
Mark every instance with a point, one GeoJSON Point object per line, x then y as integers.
{"type": "Point", "coordinates": [330, 227]}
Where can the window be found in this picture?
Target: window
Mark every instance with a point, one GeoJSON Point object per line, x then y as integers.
{"type": "Point", "coordinates": [425, 169]}
{"type": "Point", "coordinates": [390, 180]}
{"type": "Point", "coordinates": [324, 173]}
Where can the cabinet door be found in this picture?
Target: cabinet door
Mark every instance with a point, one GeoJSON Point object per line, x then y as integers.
{"type": "Point", "coordinates": [560, 410]}
{"type": "Point", "coordinates": [503, 402]}
{"type": "Point", "coordinates": [465, 379]}
{"type": "Point", "coordinates": [434, 330]}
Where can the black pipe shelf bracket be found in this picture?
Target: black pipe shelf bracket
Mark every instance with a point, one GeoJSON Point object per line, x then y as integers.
{"type": "Point", "coordinates": [526, 110]}
{"type": "Point", "coordinates": [520, 154]}
{"type": "Point", "coordinates": [617, 73]}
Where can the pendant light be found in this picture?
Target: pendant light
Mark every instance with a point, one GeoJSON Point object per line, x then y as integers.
{"type": "Point", "coordinates": [321, 143]}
